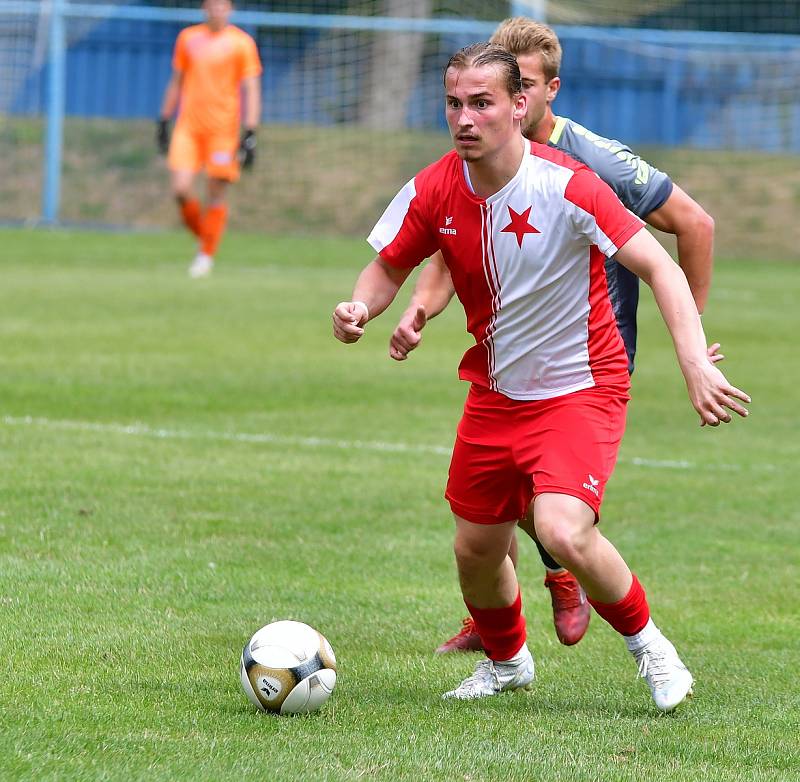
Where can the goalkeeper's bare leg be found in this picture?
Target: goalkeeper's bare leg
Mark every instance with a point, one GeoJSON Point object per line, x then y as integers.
{"type": "Point", "coordinates": [189, 206]}
{"type": "Point", "coordinates": [212, 225]}
{"type": "Point", "coordinates": [206, 224]}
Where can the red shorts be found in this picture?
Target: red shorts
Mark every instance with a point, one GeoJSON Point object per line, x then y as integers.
{"type": "Point", "coordinates": [507, 451]}
{"type": "Point", "coordinates": [192, 150]}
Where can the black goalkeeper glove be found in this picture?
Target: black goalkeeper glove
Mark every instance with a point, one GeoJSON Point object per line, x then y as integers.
{"type": "Point", "coordinates": [162, 136]}
{"type": "Point", "coordinates": [247, 149]}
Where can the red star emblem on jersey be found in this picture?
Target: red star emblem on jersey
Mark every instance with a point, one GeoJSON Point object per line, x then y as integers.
{"type": "Point", "coordinates": [519, 225]}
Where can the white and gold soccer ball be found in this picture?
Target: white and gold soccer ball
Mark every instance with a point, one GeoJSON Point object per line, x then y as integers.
{"type": "Point", "coordinates": [288, 668]}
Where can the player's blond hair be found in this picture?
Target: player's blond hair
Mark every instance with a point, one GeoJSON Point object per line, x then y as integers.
{"type": "Point", "coordinates": [484, 53]}
{"type": "Point", "coordinates": [521, 36]}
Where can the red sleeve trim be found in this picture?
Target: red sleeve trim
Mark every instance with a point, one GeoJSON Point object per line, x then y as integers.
{"type": "Point", "coordinates": [624, 236]}
{"type": "Point", "coordinates": [396, 263]}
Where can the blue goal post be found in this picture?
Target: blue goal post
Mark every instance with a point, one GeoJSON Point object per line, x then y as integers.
{"type": "Point", "coordinates": [61, 10]}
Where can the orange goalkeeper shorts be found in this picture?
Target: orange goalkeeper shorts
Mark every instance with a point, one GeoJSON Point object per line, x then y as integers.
{"type": "Point", "coordinates": [190, 150]}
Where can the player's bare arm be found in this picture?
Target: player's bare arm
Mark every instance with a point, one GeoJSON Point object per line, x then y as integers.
{"type": "Point", "coordinates": [709, 391]}
{"type": "Point", "coordinates": [251, 88]}
{"type": "Point", "coordinates": [172, 96]}
{"type": "Point", "coordinates": [375, 289]}
{"type": "Point", "coordinates": [693, 227]}
{"type": "Point", "coordinates": [432, 293]}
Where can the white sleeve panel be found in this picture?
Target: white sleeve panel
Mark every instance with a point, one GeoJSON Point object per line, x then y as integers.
{"type": "Point", "coordinates": [391, 221]}
{"type": "Point", "coordinates": [587, 226]}
{"type": "Point", "coordinates": [597, 214]}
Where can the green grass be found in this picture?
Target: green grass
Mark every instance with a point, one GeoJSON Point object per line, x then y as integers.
{"type": "Point", "coordinates": [143, 537]}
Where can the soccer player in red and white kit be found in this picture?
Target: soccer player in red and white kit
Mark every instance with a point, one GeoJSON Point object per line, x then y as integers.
{"type": "Point", "coordinates": [524, 230]}
{"type": "Point", "coordinates": [649, 193]}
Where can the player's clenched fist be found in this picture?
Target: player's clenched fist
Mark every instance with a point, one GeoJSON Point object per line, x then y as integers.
{"type": "Point", "coordinates": [349, 318]}
{"type": "Point", "coordinates": [408, 333]}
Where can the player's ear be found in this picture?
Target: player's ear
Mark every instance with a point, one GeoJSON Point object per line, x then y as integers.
{"type": "Point", "coordinates": [553, 86]}
{"type": "Point", "coordinates": [520, 106]}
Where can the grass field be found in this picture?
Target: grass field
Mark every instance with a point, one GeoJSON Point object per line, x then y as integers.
{"type": "Point", "coordinates": [183, 462]}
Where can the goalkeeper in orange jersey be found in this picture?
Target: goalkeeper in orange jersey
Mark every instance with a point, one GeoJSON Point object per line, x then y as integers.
{"type": "Point", "coordinates": [215, 64]}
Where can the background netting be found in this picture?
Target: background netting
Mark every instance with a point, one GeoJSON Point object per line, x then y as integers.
{"type": "Point", "coordinates": [708, 91]}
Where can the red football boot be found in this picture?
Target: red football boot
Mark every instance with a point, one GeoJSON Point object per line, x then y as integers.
{"type": "Point", "coordinates": [467, 640]}
{"type": "Point", "coordinates": [571, 609]}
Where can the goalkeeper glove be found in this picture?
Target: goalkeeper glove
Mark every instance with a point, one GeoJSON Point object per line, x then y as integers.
{"type": "Point", "coordinates": [247, 149]}
{"type": "Point", "coordinates": [162, 136]}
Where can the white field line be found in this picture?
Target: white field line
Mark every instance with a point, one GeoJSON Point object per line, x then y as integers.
{"type": "Point", "coordinates": [143, 430]}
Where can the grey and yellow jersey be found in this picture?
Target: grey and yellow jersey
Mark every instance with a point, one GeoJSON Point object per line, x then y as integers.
{"type": "Point", "coordinates": [642, 188]}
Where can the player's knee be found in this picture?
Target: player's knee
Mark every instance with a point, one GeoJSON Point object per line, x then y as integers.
{"type": "Point", "coordinates": [565, 538]}
{"type": "Point", "coordinates": [467, 557]}
{"type": "Point", "coordinates": [473, 556]}
{"type": "Point", "coordinates": [217, 192]}
{"type": "Point", "coordinates": [555, 538]}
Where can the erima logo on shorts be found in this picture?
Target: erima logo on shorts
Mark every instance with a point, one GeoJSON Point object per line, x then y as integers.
{"type": "Point", "coordinates": [221, 158]}
{"type": "Point", "coordinates": [447, 230]}
{"type": "Point", "coordinates": [592, 486]}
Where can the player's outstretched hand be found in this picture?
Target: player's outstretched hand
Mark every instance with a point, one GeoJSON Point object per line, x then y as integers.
{"type": "Point", "coordinates": [713, 353]}
{"type": "Point", "coordinates": [162, 136]}
{"type": "Point", "coordinates": [247, 149]}
{"type": "Point", "coordinates": [349, 318]}
{"type": "Point", "coordinates": [408, 333]}
{"type": "Point", "coordinates": [711, 394]}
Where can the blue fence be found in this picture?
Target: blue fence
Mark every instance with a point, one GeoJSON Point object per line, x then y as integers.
{"type": "Point", "coordinates": [729, 90]}
{"type": "Point", "coordinates": [642, 91]}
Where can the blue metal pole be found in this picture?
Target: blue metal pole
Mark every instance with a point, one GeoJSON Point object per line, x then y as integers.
{"type": "Point", "coordinates": [56, 99]}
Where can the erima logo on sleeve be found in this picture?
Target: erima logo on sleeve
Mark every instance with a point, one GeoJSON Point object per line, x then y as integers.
{"type": "Point", "coordinates": [446, 228]}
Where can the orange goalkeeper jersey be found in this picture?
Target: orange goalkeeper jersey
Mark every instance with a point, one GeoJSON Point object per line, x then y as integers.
{"type": "Point", "coordinates": [213, 67]}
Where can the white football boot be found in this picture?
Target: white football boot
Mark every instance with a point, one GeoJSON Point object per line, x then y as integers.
{"type": "Point", "coordinates": [201, 266]}
{"type": "Point", "coordinates": [492, 678]}
{"type": "Point", "coordinates": [659, 665]}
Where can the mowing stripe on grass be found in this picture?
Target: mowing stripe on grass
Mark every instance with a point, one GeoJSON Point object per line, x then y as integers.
{"type": "Point", "coordinates": [143, 430]}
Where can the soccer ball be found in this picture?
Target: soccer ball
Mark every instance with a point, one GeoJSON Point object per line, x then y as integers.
{"type": "Point", "coordinates": [288, 668]}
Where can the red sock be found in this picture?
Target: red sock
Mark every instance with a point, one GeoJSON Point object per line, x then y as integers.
{"type": "Point", "coordinates": [192, 215]}
{"type": "Point", "coordinates": [629, 615]}
{"type": "Point", "coordinates": [502, 630]}
{"type": "Point", "coordinates": [213, 225]}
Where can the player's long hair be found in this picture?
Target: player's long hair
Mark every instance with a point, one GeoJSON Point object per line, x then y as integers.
{"type": "Point", "coordinates": [478, 55]}
{"type": "Point", "coordinates": [521, 36]}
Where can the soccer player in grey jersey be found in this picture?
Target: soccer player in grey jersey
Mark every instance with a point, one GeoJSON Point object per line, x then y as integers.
{"type": "Point", "coordinates": [643, 189]}
{"type": "Point", "coordinates": [647, 192]}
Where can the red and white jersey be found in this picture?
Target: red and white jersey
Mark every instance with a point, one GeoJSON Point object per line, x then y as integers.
{"type": "Point", "coordinates": [527, 264]}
